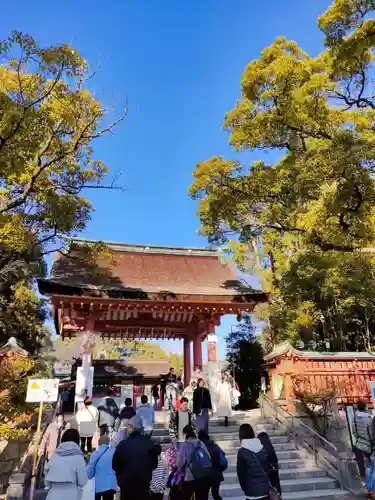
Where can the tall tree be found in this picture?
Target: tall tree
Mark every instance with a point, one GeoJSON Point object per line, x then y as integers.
{"type": "Point", "coordinates": [48, 122]}
{"type": "Point", "coordinates": [245, 357]}
{"type": "Point", "coordinates": [319, 197]}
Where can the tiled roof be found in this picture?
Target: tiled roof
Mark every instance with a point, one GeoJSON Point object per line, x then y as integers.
{"type": "Point", "coordinates": [12, 346]}
{"type": "Point", "coordinates": [286, 347]}
{"type": "Point", "coordinates": [108, 368]}
{"type": "Point", "coordinates": [151, 269]}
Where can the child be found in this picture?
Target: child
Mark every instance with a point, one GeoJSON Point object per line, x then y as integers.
{"type": "Point", "coordinates": [159, 477]}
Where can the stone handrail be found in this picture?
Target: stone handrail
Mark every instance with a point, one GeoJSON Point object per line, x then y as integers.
{"type": "Point", "coordinates": [339, 464]}
{"type": "Point", "coordinates": [19, 481]}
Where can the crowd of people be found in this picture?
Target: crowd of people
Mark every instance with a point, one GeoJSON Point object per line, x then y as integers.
{"type": "Point", "coordinates": [190, 467]}
{"type": "Point", "coordinates": [128, 460]}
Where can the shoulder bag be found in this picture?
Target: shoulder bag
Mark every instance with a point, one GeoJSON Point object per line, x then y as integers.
{"type": "Point", "coordinates": [362, 444]}
{"type": "Point", "coordinates": [273, 492]}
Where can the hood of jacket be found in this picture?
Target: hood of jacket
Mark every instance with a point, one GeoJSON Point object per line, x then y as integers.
{"type": "Point", "coordinates": [67, 465]}
{"type": "Point", "coordinates": [362, 414]}
{"type": "Point", "coordinates": [254, 445]}
{"type": "Point", "coordinates": [145, 405]}
{"type": "Point", "coordinates": [68, 449]}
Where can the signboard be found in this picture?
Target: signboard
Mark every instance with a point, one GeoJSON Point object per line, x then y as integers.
{"type": "Point", "coordinates": [42, 390]}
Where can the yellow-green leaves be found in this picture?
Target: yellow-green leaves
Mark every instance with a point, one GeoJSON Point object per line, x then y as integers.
{"type": "Point", "coordinates": [319, 196]}
{"type": "Point", "coordinates": [48, 122]}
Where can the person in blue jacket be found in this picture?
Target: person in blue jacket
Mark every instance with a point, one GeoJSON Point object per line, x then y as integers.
{"type": "Point", "coordinates": [147, 415]}
{"type": "Point", "coordinates": [253, 466]}
{"type": "Point", "coordinates": [100, 468]}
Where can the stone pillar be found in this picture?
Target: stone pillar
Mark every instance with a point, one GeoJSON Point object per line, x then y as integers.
{"type": "Point", "coordinates": [197, 344]}
{"type": "Point", "coordinates": [187, 362]}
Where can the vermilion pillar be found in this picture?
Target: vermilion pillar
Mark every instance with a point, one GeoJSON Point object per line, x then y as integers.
{"type": "Point", "coordinates": [211, 343]}
{"type": "Point", "coordinates": [187, 361]}
{"type": "Point", "coordinates": [197, 351]}
{"type": "Point", "coordinates": [90, 324]}
{"type": "Point", "coordinates": [211, 347]}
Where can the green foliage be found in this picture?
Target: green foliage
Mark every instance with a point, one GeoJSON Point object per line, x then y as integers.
{"type": "Point", "coordinates": [22, 316]}
{"type": "Point", "coordinates": [176, 361]}
{"type": "Point", "coordinates": [48, 122]}
{"type": "Point", "coordinates": [314, 207]}
{"type": "Point", "coordinates": [71, 349]}
{"type": "Point", "coordinates": [14, 414]}
{"type": "Point", "coordinates": [245, 358]}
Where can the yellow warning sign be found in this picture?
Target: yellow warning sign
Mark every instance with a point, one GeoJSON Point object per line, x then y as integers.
{"type": "Point", "coordinates": [42, 390]}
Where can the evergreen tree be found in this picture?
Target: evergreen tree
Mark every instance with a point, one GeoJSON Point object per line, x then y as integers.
{"type": "Point", "coordinates": [245, 357]}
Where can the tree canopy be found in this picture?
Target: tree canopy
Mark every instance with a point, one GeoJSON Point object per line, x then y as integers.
{"type": "Point", "coordinates": [49, 121]}
{"type": "Point", "coordinates": [307, 215]}
{"type": "Point", "coordinates": [15, 370]}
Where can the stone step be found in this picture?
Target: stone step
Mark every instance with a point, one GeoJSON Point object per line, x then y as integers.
{"type": "Point", "coordinates": [234, 437]}
{"type": "Point", "coordinates": [330, 494]}
{"type": "Point", "coordinates": [216, 431]}
{"type": "Point", "coordinates": [264, 426]}
{"type": "Point", "coordinates": [287, 486]}
{"type": "Point", "coordinates": [306, 484]}
{"type": "Point", "coordinates": [284, 463]}
{"type": "Point", "coordinates": [297, 473]}
{"type": "Point", "coordinates": [234, 445]}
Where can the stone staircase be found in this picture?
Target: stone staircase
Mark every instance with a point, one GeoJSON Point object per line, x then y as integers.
{"type": "Point", "coordinates": [300, 478]}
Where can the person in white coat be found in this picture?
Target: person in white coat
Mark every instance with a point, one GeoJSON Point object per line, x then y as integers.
{"type": "Point", "coordinates": [224, 399]}
{"type": "Point", "coordinates": [65, 473]}
{"type": "Point", "coordinates": [87, 420]}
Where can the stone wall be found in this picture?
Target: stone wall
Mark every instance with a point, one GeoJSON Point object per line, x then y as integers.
{"type": "Point", "coordinates": [11, 454]}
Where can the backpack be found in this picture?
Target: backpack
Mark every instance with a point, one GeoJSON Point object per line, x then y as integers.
{"type": "Point", "coordinates": [223, 461]}
{"type": "Point", "coordinates": [200, 463]}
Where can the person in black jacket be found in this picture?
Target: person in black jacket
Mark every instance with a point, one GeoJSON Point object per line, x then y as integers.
{"type": "Point", "coordinates": [252, 465]}
{"type": "Point", "coordinates": [272, 460]}
{"type": "Point", "coordinates": [128, 411]}
{"type": "Point", "coordinates": [202, 406]}
{"type": "Point", "coordinates": [133, 462]}
{"type": "Point", "coordinates": [217, 469]}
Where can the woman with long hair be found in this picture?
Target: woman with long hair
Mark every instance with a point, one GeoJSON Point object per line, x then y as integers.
{"type": "Point", "coordinates": [202, 405]}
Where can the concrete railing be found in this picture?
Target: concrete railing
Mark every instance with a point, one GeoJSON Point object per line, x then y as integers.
{"type": "Point", "coordinates": [20, 480]}
{"type": "Point", "coordinates": [339, 464]}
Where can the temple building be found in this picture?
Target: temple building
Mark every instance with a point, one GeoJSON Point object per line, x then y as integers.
{"type": "Point", "coordinates": [148, 292]}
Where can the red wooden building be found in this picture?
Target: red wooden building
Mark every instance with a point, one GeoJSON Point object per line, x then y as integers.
{"type": "Point", "coordinates": [148, 292]}
{"type": "Point", "coordinates": [347, 374]}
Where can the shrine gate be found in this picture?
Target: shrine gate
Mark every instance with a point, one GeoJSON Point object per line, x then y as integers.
{"type": "Point", "coordinates": [148, 292]}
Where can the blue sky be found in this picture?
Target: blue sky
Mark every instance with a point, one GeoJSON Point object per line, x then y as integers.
{"type": "Point", "coordinates": [178, 64]}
